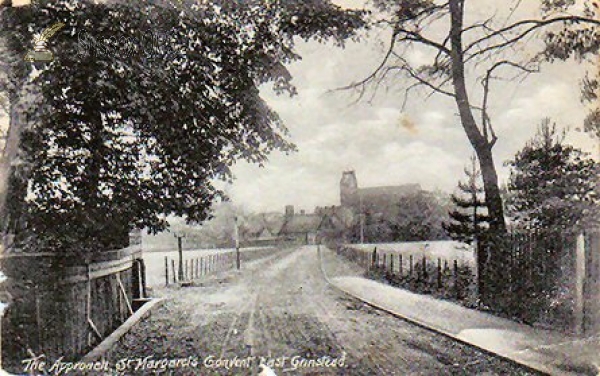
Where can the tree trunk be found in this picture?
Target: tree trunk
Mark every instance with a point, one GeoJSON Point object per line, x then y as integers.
{"type": "Point", "coordinates": [483, 148]}
{"type": "Point", "coordinates": [9, 154]}
{"type": "Point", "coordinates": [493, 199]}
{"type": "Point", "coordinates": [490, 260]}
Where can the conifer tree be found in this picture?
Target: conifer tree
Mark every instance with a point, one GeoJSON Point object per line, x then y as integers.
{"type": "Point", "coordinates": [469, 216]}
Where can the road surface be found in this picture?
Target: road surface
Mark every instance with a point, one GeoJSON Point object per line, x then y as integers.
{"type": "Point", "coordinates": [281, 311]}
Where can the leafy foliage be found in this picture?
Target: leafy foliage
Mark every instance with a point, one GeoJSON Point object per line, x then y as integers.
{"type": "Point", "coordinates": [579, 41]}
{"type": "Point", "coordinates": [417, 217]}
{"type": "Point", "coordinates": [120, 140]}
{"type": "Point", "coordinates": [469, 218]}
{"type": "Point", "coordinates": [552, 184]}
{"type": "Point", "coordinates": [420, 217]}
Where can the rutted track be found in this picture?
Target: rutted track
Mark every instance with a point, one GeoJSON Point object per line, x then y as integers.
{"type": "Point", "coordinates": [283, 307]}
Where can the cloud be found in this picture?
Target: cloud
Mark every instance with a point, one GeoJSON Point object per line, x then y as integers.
{"type": "Point", "coordinates": [424, 143]}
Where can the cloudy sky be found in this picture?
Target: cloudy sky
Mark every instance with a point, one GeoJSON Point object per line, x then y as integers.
{"type": "Point", "coordinates": [333, 133]}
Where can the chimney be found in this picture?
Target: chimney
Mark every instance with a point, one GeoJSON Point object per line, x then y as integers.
{"type": "Point", "coordinates": [289, 211]}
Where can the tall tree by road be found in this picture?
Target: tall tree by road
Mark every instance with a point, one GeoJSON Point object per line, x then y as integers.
{"type": "Point", "coordinates": [458, 51]}
{"type": "Point", "coordinates": [146, 103]}
{"type": "Point", "coordinates": [462, 51]}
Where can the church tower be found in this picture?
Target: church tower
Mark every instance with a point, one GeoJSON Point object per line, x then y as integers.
{"type": "Point", "coordinates": [348, 189]}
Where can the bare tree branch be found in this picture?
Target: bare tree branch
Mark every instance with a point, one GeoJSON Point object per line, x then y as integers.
{"type": "Point", "coordinates": [419, 38]}
{"type": "Point", "coordinates": [373, 74]}
{"type": "Point", "coordinates": [533, 25]}
{"type": "Point", "coordinates": [406, 93]}
{"type": "Point", "coordinates": [488, 130]}
{"type": "Point", "coordinates": [405, 66]}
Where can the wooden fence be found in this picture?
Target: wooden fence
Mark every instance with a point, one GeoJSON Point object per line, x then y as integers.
{"type": "Point", "coordinates": [529, 275]}
{"type": "Point", "coordinates": [587, 283]}
{"type": "Point", "coordinates": [64, 305]}
{"type": "Point", "coordinates": [441, 277]}
{"type": "Point", "coordinates": [192, 268]}
{"type": "Point", "coordinates": [197, 267]}
{"type": "Point", "coordinates": [549, 278]}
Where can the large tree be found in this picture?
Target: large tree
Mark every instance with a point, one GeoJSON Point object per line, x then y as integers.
{"type": "Point", "coordinates": [124, 129]}
{"type": "Point", "coordinates": [553, 185]}
{"type": "Point", "coordinates": [462, 50]}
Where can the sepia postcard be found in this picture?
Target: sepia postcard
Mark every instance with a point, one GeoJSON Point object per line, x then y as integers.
{"type": "Point", "coordinates": [300, 187]}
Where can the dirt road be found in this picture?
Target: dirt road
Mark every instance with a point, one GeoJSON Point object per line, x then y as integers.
{"type": "Point", "coordinates": [281, 311]}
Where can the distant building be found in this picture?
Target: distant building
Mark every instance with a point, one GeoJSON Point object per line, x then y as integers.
{"type": "Point", "coordinates": [306, 228]}
{"type": "Point", "coordinates": [336, 222]}
{"type": "Point", "coordinates": [377, 201]}
{"type": "Point", "coordinates": [261, 229]}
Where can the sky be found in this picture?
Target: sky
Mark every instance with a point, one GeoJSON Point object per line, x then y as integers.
{"type": "Point", "coordinates": [334, 133]}
{"type": "Point", "coordinates": [381, 142]}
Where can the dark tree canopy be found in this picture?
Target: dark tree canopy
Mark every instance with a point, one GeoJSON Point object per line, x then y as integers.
{"type": "Point", "coordinates": [552, 184]}
{"type": "Point", "coordinates": [580, 41]}
{"type": "Point", "coordinates": [125, 128]}
{"type": "Point", "coordinates": [418, 216]}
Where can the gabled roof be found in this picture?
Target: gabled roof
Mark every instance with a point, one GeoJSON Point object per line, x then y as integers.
{"type": "Point", "coordinates": [336, 217]}
{"type": "Point", "coordinates": [252, 226]}
{"type": "Point", "coordinates": [274, 224]}
{"type": "Point", "coordinates": [256, 224]}
{"type": "Point", "coordinates": [301, 224]}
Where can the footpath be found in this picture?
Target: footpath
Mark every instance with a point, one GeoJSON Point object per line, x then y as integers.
{"type": "Point", "coordinates": [542, 350]}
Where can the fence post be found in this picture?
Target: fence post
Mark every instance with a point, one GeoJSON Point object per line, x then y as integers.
{"type": "Point", "coordinates": [410, 265]}
{"type": "Point", "coordinates": [476, 273]}
{"type": "Point", "coordinates": [38, 319]}
{"type": "Point", "coordinates": [374, 257]}
{"type": "Point", "coordinates": [456, 279]}
{"type": "Point", "coordinates": [166, 271]}
{"type": "Point", "coordinates": [439, 273]}
{"type": "Point", "coordinates": [400, 266]}
{"type": "Point", "coordinates": [180, 250]}
{"type": "Point", "coordinates": [173, 270]}
{"type": "Point", "coordinates": [142, 264]}
{"type": "Point", "coordinates": [580, 274]}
